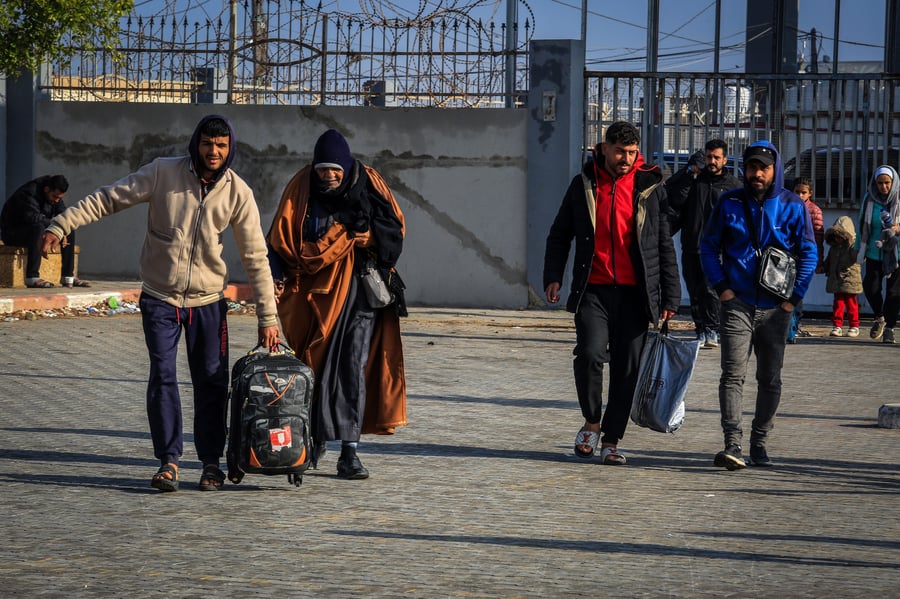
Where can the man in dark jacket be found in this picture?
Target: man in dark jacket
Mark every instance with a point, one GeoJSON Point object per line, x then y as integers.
{"type": "Point", "coordinates": [745, 221]}
{"type": "Point", "coordinates": [26, 214]}
{"type": "Point", "coordinates": [692, 193]}
{"type": "Point", "coordinates": [625, 269]}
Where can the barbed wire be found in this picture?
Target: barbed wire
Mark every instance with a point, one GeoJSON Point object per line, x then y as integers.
{"type": "Point", "coordinates": [442, 53]}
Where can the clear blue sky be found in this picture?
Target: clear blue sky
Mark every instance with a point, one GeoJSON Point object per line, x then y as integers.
{"type": "Point", "coordinates": [617, 29]}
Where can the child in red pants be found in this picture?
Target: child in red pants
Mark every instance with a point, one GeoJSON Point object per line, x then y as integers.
{"type": "Point", "coordinates": [844, 276]}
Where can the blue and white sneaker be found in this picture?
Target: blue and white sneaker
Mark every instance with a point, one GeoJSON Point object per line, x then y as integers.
{"type": "Point", "coordinates": [712, 340]}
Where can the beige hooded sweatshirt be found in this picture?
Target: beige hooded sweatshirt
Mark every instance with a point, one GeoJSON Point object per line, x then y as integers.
{"type": "Point", "coordinates": [181, 259]}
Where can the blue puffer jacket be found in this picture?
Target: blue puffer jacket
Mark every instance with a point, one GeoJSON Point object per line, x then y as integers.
{"type": "Point", "coordinates": [727, 252]}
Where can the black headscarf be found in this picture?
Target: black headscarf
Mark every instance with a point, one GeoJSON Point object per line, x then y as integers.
{"type": "Point", "coordinates": [357, 205]}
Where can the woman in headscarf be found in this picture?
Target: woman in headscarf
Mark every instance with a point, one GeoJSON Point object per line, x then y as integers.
{"type": "Point", "coordinates": [879, 216]}
{"type": "Point", "coordinates": [336, 216]}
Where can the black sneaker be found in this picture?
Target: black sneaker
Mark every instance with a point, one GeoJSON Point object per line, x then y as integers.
{"type": "Point", "coordinates": [730, 458]}
{"type": "Point", "coordinates": [759, 457]}
{"type": "Point", "coordinates": [877, 329]}
{"type": "Point", "coordinates": [887, 336]}
{"type": "Point", "coordinates": [351, 468]}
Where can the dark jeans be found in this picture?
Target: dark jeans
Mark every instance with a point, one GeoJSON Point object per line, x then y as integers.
{"type": "Point", "coordinates": [206, 336]}
{"type": "Point", "coordinates": [705, 303]}
{"type": "Point", "coordinates": [887, 305]}
{"type": "Point", "coordinates": [745, 328]}
{"type": "Point", "coordinates": [29, 236]}
{"type": "Point", "coordinates": [610, 327]}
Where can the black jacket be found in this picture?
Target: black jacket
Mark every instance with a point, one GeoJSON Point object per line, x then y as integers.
{"type": "Point", "coordinates": [28, 206]}
{"type": "Point", "coordinates": [652, 252]}
{"type": "Point", "coordinates": [691, 201]}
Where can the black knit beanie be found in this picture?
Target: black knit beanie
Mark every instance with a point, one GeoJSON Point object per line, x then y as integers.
{"type": "Point", "coordinates": [332, 150]}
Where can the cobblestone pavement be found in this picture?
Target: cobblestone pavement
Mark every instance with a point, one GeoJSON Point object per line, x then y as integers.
{"type": "Point", "coordinates": [480, 496]}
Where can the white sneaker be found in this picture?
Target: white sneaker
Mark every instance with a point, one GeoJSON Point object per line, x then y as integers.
{"type": "Point", "coordinates": [839, 332]}
{"type": "Point", "coordinates": [853, 332]}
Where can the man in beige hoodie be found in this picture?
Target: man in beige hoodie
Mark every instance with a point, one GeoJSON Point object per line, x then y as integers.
{"type": "Point", "coordinates": [192, 201]}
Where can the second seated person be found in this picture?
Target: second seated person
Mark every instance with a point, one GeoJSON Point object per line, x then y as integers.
{"type": "Point", "coordinates": [335, 216]}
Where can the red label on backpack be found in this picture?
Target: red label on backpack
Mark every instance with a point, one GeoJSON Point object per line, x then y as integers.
{"type": "Point", "coordinates": [280, 438]}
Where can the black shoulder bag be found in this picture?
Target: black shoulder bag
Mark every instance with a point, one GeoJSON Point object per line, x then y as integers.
{"type": "Point", "coordinates": [776, 270]}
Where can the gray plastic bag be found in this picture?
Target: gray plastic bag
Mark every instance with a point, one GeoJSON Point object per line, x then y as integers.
{"type": "Point", "coordinates": [375, 288]}
{"type": "Point", "coordinates": [664, 372]}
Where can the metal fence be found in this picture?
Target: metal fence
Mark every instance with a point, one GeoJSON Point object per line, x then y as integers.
{"type": "Point", "coordinates": [833, 128]}
{"type": "Point", "coordinates": [287, 53]}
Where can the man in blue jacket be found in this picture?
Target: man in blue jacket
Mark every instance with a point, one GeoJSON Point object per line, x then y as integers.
{"type": "Point", "coordinates": [745, 221]}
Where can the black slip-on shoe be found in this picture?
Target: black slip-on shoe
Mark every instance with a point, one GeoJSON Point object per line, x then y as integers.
{"type": "Point", "coordinates": [351, 468]}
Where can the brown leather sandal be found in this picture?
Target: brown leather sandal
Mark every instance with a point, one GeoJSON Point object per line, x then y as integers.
{"type": "Point", "coordinates": [212, 478]}
{"type": "Point", "coordinates": [166, 478]}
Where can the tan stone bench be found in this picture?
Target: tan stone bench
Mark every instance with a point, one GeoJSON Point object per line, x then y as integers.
{"type": "Point", "coordinates": [12, 266]}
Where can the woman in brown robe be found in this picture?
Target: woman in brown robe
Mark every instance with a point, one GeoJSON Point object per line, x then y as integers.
{"type": "Point", "coordinates": [335, 216]}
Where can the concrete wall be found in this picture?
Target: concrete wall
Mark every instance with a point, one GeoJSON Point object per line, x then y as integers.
{"type": "Point", "coordinates": [479, 187]}
{"type": "Point", "coordinates": [458, 175]}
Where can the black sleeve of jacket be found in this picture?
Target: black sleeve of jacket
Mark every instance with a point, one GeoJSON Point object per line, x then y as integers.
{"type": "Point", "coordinates": [678, 188]}
{"type": "Point", "coordinates": [28, 206]}
{"type": "Point", "coordinates": [559, 240]}
{"type": "Point", "coordinates": [670, 284]}
{"type": "Point", "coordinates": [386, 228]}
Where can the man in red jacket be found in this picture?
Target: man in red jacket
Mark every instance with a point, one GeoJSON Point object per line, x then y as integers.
{"type": "Point", "coordinates": [625, 269]}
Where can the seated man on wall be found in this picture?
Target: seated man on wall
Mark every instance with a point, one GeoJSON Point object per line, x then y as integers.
{"type": "Point", "coordinates": [26, 214]}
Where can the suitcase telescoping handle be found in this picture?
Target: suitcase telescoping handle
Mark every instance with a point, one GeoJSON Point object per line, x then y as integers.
{"type": "Point", "coordinates": [279, 349]}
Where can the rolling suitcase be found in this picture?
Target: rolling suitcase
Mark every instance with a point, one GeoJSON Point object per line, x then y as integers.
{"type": "Point", "coordinates": [269, 430]}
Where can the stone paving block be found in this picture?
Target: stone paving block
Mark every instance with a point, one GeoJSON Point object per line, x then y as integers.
{"type": "Point", "coordinates": [480, 496]}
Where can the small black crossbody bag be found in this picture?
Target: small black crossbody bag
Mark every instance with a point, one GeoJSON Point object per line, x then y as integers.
{"type": "Point", "coordinates": [776, 271]}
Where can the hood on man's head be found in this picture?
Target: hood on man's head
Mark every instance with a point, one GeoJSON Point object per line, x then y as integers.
{"type": "Point", "coordinates": [332, 150]}
{"type": "Point", "coordinates": [214, 125]}
{"type": "Point", "coordinates": [765, 152]}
